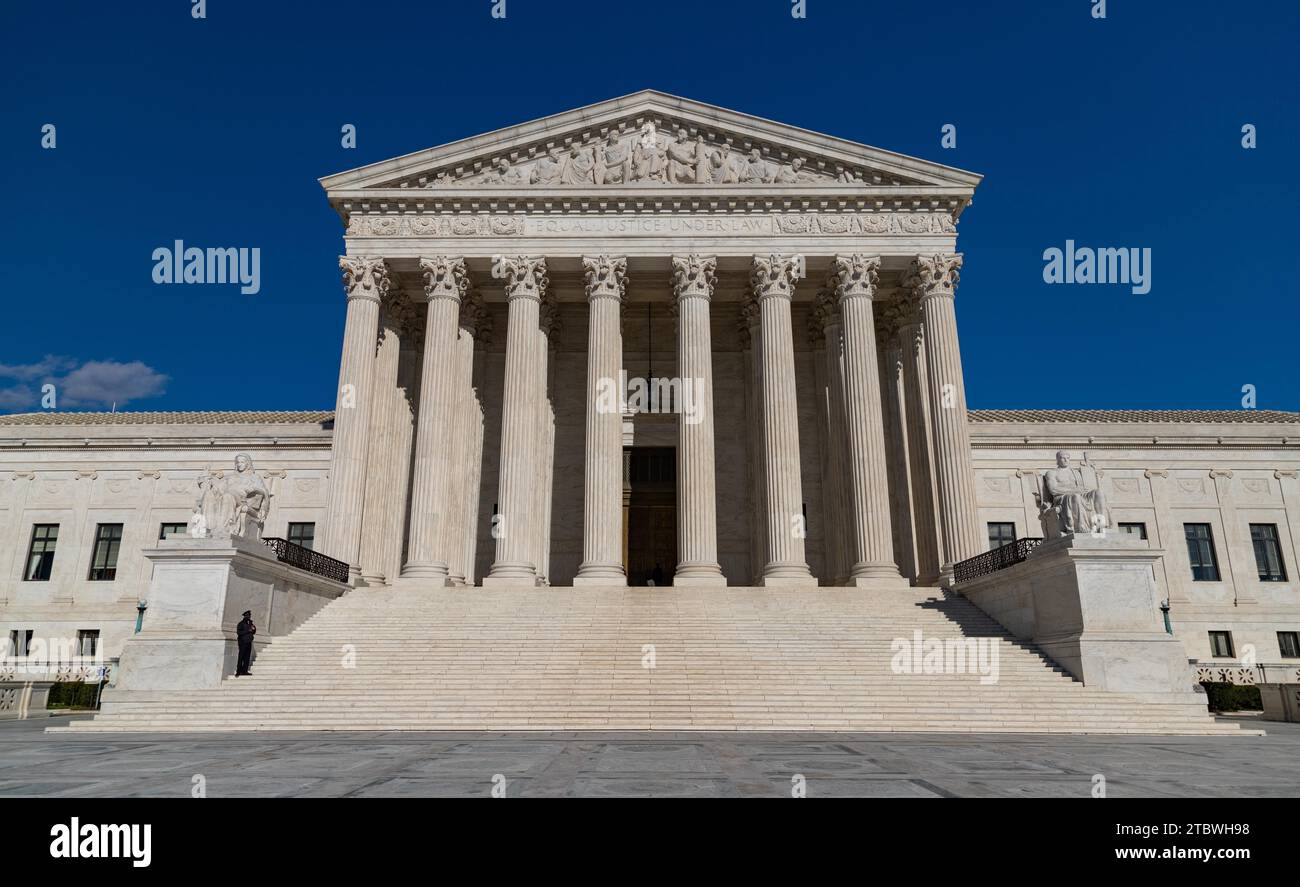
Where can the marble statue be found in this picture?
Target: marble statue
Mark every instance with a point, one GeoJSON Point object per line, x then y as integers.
{"type": "Point", "coordinates": [579, 167]}
{"type": "Point", "coordinates": [198, 524]}
{"type": "Point", "coordinates": [233, 505]}
{"type": "Point", "coordinates": [649, 158]}
{"type": "Point", "coordinates": [756, 170]}
{"type": "Point", "coordinates": [682, 159]}
{"type": "Point", "coordinates": [503, 174]}
{"type": "Point", "coordinates": [613, 161]}
{"type": "Point", "coordinates": [1071, 500]}
{"type": "Point", "coordinates": [548, 170]}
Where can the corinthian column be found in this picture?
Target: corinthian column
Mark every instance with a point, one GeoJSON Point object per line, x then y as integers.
{"type": "Point", "coordinates": [933, 280]}
{"type": "Point", "coordinates": [379, 496]}
{"type": "Point", "coordinates": [840, 522]}
{"type": "Point", "coordinates": [466, 427]}
{"type": "Point", "coordinates": [525, 283]}
{"type": "Point", "coordinates": [367, 283]}
{"type": "Point", "coordinates": [431, 499]}
{"type": "Point", "coordinates": [697, 507]}
{"type": "Point", "coordinates": [854, 280]}
{"type": "Point", "coordinates": [602, 519]}
{"type": "Point", "coordinates": [772, 280]}
{"type": "Point", "coordinates": [925, 518]}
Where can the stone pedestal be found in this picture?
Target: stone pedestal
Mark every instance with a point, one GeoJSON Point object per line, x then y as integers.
{"type": "Point", "coordinates": [1090, 603]}
{"type": "Point", "coordinates": [199, 592]}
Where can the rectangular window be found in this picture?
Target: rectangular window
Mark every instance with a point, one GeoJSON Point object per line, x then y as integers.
{"type": "Point", "coordinates": [1134, 529]}
{"type": "Point", "coordinates": [1289, 643]}
{"type": "Point", "coordinates": [40, 555]}
{"type": "Point", "coordinates": [87, 642]}
{"type": "Point", "coordinates": [20, 641]}
{"type": "Point", "coordinates": [166, 530]}
{"type": "Point", "coordinates": [103, 562]}
{"type": "Point", "coordinates": [1200, 551]}
{"type": "Point", "coordinates": [1001, 534]}
{"type": "Point", "coordinates": [303, 534]}
{"type": "Point", "coordinates": [1221, 644]}
{"type": "Point", "coordinates": [1268, 555]}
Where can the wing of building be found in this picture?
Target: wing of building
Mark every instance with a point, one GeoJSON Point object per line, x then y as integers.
{"type": "Point", "coordinates": [652, 340]}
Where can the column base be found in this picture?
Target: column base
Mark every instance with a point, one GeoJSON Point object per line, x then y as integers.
{"type": "Point", "coordinates": [786, 574]}
{"type": "Point", "coordinates": [699, 574]}
{"type": "Point", "coordinates": [371, 580]}
{"type": "Point", "coordinates": [600, 574]}
{"type": "Point", "coordinates": [434, 574]}
{"type": "Point", "coordinates": [877, 577]}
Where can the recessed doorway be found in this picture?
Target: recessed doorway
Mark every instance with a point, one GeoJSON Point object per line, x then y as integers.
{"type": "Point", "coordinates": [652, 516]}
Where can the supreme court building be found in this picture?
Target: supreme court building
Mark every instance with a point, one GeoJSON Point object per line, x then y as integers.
{"type": "Point", "coordinates": [653, 340]}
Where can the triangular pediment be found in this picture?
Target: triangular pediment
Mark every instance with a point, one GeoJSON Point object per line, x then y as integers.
{"type": "Point", "coordinates": [651, 140]}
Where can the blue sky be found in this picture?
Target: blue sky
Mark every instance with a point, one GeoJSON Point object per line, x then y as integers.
{"type": "Point", "coordinates": [1122, 132]}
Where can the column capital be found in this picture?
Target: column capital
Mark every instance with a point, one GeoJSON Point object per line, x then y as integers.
{"type": "Point", "coordinates": [747, 320]}
{"type": "Point", "coordinates": [444, 277]}
{"type": "Point", "coordinates": [694, 276]}
{"type": "Point", "coordinates": [365, 277]}
{"type": "Point", "coordinates": [606, 277]}
{"type": "Point", "coordinates": [772, 276]}
{"type": "Point", "coordinates": [934, 276]}
{"type": "Point", "coordinates": [854, 276]}
{"type": "Point", "coordinates": [525, 276]}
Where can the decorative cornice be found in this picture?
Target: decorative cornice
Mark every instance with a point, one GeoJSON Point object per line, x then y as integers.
{"type": "Point", "coordinates": [365, 277]}
{"type": "Point", "coordinates": [514, 217]}
{"type": "Point", "coordinates": [694, 276]}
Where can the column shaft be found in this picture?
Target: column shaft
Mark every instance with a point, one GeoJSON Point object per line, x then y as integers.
{"type": "Point", "coordinates": [513, 565]}
{"type": "Point", "coordinates": [873, 555]}
{"type": "Point", "coordinates": [431, 496]}
{"type": "Point", "coordinates": [602, 523]}
{"type": "Point", "coordinates": [773, 282]}
{"type": "Point", "coordinates": [379, 457]}
{"type": "Point", "coordinates": [934, 279]}
{"type": "Point", "coordinates": [697, 510]}
{"type": "Point", "coordinates": [924, 512]}
{"type": "Point", "coordinates": [367, 285]}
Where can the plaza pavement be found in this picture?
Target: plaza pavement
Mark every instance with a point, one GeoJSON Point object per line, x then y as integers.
{"type": "Point", "coordinates": [33, 763]}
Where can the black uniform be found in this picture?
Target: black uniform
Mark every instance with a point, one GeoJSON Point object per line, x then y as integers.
{"type": "Point", "coordinates": [245, 631]}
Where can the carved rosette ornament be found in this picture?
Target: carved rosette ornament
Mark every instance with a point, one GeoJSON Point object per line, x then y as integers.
{"type": "Point", "coordinates": [932, 276]}
{"type": "Point", "coordinates": [444, 278]}
{"type": "Point", "coordinates": [694, 276]}
{"type": "Point", "coordinates": [365, 277]}
{"type": "Point", "coordinates": [606, 277]}
{"type": "Point", "coordinates": [854, 276]}
{"type": "Point", "coordinates": [525, 277]}
{"type": "Point", "coordinates": [773, 276]}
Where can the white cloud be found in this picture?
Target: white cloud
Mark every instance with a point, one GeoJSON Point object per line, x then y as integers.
{"type": "Point", "coordinates": [92, 384]}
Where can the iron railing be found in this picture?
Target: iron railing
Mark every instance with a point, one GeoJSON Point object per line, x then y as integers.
{"type": "Point", "coordinates": [303, 558]}
{"type": "Point", "coordinates": [991, 561]}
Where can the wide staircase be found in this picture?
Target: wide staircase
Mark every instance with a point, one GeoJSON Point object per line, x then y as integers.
{"type": "Point", "coordinates": [650, 659]}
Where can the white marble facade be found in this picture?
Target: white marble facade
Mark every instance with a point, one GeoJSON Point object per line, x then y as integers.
{"type": "Point", "coordinates": [807, 284]}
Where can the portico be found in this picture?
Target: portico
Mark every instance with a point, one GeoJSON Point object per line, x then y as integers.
{"type": "Point", "coordinates": [794, 293]}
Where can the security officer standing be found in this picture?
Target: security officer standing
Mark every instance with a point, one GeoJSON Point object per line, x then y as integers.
{"type": "Point", "coordinates": [244, 632]}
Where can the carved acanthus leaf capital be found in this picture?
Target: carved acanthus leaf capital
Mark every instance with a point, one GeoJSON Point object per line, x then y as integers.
{"type": "Point", "coordinates": [365, 277]}
{"type": "Point", "coordinates": [773, 276]}
{"type": "Point", "coordinates": [473, 313]}
{"type": "Point", "coordinates": [932, 276]}
{"type": "Point", "coordinates": [694, 276]}
{"type": "Point", "coordinates": [525, 276]}
{"type": "Point", "coordinates": [606, 277]}
{"type": "Point", "coordinates": [444, 277]}
{"type": "Point", "coordinates": [854, 276]}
